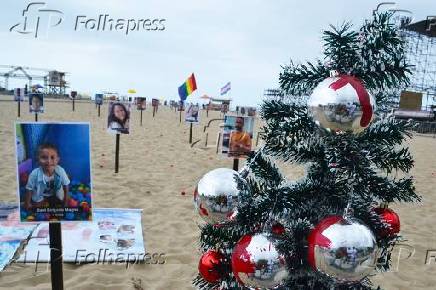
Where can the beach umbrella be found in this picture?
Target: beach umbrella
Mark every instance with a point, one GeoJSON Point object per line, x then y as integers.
{"type": "Point", "coordinates": [131, 91]}
{"type": "Point", "coordinates": [205, 97]}
{"type": "Point", "coordinates": [37, 86]}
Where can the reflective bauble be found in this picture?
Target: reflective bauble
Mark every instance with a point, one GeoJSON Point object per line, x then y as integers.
{"type": "Point", "coordinates": [211, 267]}
{"type": "Point", "coordinates": [391, 218]}
{"type": "Point", "coordinates": [343, 248]}
{"type": "Point", "coordinates": [256, 262]}
{"type": "Point", "coordinates": [216, 195]}
{"type": "Point", "coordinates": [341, 103]}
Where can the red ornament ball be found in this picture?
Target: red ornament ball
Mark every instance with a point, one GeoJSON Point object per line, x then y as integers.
{"type": "Point", "coordinates": [210, 266]}
{"type": "Point", "coordinates": [391, 218]}
{"type": "Point", "coordinates": [278, 229]}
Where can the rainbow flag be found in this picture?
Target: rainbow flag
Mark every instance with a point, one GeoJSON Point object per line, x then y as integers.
{"type": "Point", "coordinates": [187, 87]}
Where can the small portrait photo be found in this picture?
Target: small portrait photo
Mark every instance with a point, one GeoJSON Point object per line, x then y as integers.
{"type": "Point", "coordinates": [53, 171]}
{"type": "Point", "coordinates": [73, 94]}
{"type": "Point", "coordinates": [141, 103]}
{"type": "Point", "coordinates": [224, 108]}
{"type": "Point", "coordinates": [98, 99]}
{"type": "Point", "coordinates": [237, 136]}
{"type": "Point", "coordinates": [19, 94]}
{"type": "Point", "coordinates": [181, 106]}
{"type": "Point", "coordinates": [118, 118]}
{"type": "Point", "coordinates": [192, 113]}
{"type": "Point", "coordinates": [155, 102]}
{"type": "Point", "coordinates": [36, 103]}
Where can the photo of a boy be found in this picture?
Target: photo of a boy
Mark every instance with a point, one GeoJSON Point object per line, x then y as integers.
{"type": "Point", "coordinates": [48, 183]}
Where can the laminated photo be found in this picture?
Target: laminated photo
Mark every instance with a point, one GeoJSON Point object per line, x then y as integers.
{"type": "Point", "coordinates": [53, 171]}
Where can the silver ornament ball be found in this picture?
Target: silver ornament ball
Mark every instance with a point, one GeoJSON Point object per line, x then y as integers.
{"type": "Point", "coordinates": [342, 248]}
{"type": "Point", "coordinates": [256, 262]}
{"type": "Point", "coordinates": [341, 103]}
{"type": "Point", "coordinates": [216, 196]}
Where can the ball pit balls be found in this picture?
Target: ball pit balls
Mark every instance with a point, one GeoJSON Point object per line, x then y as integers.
{"type": "Point", "coordinates": [40, 216]}
{"type": "Point", "coordinates": [85, 206]}
{"type": "Point", "coordinates": [73, 203]}
{"type": "Point", "coordinates": [24, 177]}
{"type": "Point", "coordinates": [23, 214]}
{"type": "Point", "coordinates": [69, 216]}
{"type": "Point", "coordinates": [30, 218]}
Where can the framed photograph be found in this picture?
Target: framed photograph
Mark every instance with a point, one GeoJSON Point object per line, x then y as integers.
{"type": "Point", "coordinates": [19, 94]}
{"type": "Point", "coordinates": [155, 102]}
{"type": "Point", "coordinates": [98, 99]}
{"type": "Point", "coordinates": [237, 136]}
{"type": "Point", "coordinates": [53, 171]}
{"type": "Point", "coordinates": [36, 103]}
{"type": "Point", "coordinates": [181, 106]}
{"type": "Point", "coordinates": [141, 103]}
{"type": "Point", "coordinates": [118, 118]}
{"type": "Point", "coordinates": [192, 114]}
{"type": "Point", "coordinates": [73, 94]}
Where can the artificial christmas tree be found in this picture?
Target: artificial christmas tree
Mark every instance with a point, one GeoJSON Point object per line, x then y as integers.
{"type": "Point", "coordinates": [331, 235]}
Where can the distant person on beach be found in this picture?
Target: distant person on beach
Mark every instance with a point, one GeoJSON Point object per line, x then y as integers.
{"type": "Point", "coordinates": [49, 182]}
{"type": "Point", "coordinates": [240, 141]}
{"type": "Point", "coordinates": [118, 119]}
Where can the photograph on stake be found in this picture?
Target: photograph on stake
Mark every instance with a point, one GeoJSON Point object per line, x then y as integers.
{"type": "Point", "coordinates": [118, 118]}
{"type": "Point", "coordinates": [53, 171]}
{"type": "Point", "coordinates": [237, 136]}
{"type": "Point", "coordinates": [36, 103]}
{"type": "Point", "coordinates": [192, 114]}
{"type": "Point", "coordinates": [141, 103]}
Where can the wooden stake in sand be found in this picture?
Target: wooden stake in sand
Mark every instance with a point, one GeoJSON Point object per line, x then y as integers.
{"type": "Point", "coordinates": [190, 133]}
{"type": "Point", "coordinates": [73, 97]}
{"type": "Point", "coordinates": [235, 164]}
{"type": "Point", "coordinates": [19, 108]}
{"type": "Point", "coordinates": [141, 117]}
{"type": "Point", "coordinates": [99, 110]}
{"type": "Point", "coordinates": [117, 152]}
{"type": "Point", "coordinates": [57, 276]}
{"type": "Point", "coordinates": [36, 116]}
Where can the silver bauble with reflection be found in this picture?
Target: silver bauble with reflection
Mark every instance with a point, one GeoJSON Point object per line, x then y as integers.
{"type": "Point", "coordinates": [341, 103]}
{"type": "Point", "coordinates": [256, 262]}
{"type": "Point", "coordinates": [342, 248]}
{"type": "Point", "coordinates": [216, 196]}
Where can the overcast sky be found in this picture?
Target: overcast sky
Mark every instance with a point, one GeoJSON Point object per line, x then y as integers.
{"type": "Point", "coordinates": [245, 42]}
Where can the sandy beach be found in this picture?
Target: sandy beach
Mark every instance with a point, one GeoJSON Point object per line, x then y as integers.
{"type": "Point", "coordinates": [157, 164]}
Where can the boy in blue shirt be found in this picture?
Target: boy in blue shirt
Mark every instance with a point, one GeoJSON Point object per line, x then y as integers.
{"type": "Point", "coordinates": [47, 183]}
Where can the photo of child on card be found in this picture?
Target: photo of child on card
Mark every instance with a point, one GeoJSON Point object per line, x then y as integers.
{"type": "Point", "coordinates": [53, 171]}
{"type": "Point", "coordinates": [36, 103]}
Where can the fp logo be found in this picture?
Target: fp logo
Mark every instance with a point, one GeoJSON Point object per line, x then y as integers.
{"type": "Point", "coordinates": [37, 18]}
